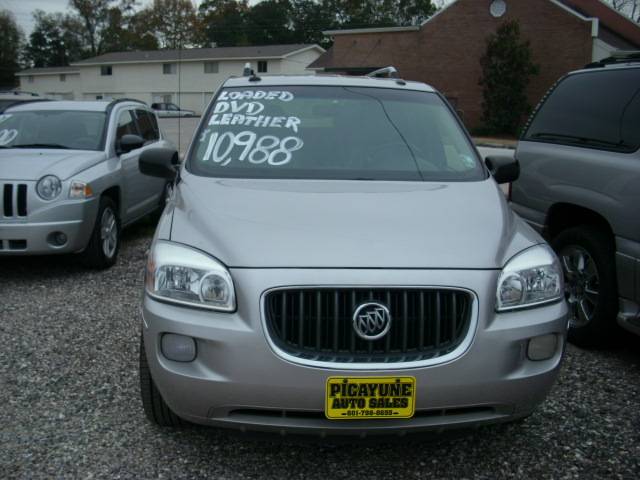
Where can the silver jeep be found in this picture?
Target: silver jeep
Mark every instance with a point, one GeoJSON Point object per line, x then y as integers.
{"type": "Point", "coordinates": [337, 259]}
{"type": "Point", "coordinates": [69, 177]}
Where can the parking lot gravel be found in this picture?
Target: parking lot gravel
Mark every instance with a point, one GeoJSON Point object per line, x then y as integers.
{"type": "Point", "coordinates": [69, 403]}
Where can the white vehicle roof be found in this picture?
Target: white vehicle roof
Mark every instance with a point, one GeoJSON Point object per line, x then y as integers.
{"type": "Point", "coordinates": [81, 106]}
{"type": "Point", "coordinates": [327, 80]}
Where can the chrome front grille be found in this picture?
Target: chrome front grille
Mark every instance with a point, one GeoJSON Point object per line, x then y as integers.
{"type": "Point", "coordinates": [317, 323]}
{"type": "Point", "coordinates": [13, 200]}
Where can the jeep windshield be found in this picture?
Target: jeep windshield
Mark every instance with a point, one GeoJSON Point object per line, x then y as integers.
{"type": "Point", "coordinates": [77, 130]}
{"type": "Point", "coordinates": [342, 133]}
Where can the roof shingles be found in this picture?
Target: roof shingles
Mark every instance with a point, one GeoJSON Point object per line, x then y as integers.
{"type": "Point", "coordinates": [217, 53]}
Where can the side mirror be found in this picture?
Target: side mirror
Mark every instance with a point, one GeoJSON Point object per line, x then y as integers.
{"type": "Point", "coordinates": [129, 142]}
{"type": "Point", "coordinates": [504, 169]}
{"type": "Point", "coordinates": [159, 162]}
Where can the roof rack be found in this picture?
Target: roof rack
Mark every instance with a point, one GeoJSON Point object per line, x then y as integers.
{"type": "Point", "coordinates": [386, 72]}
{"type": "Point", "coordinates": [617, 58]}
{"type": "Point", "coordinates": [118, 100]}
{"type": "Point", "coordinates": [18, 92]}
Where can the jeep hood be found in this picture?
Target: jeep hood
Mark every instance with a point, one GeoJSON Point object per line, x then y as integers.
{"type": "Point", "coordinates": [348, 224]}
{"type": "Point", "coordinates": [33, 164]}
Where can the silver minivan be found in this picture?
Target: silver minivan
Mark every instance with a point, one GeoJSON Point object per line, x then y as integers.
{"type": "Point", "coordinates": [336, 259]}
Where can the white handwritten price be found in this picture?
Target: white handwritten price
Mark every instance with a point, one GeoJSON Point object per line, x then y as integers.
{"type": "Point", "coordinates": [257, 150]}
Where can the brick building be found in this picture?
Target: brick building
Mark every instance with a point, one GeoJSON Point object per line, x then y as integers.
{"type": "Point", "coordinates": [445, 50]}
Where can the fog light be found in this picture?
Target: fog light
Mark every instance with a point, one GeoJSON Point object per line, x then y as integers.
{"type": "Point", "coordinates": [57, 239]}
{"type": "Point", "coordinates": [543, 347]}
{"type": "Point", "coordinates": [178, 347]}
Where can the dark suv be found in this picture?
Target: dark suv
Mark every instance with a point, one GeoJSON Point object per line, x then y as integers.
{"type": "Point", "coordinates": [580, 186]}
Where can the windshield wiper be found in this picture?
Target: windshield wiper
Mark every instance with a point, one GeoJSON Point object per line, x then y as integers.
{"type": "Point", "coordinates": [41, 145]}
{"type": "Point", "coordinates": [580, 140]}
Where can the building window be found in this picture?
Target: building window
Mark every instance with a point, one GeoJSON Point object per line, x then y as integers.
{"type": "Point", "coordinates": [106, 70]}
{"type": "Point", "coordinates": [30, 79]}
{"type": "Point", "coordinates": [210, 67]}
{"type": "Point", "coordinates": [262, 66]}
{"type": "Point", "coordinates": [168, 68]}
{"type": "Point", "coordinates": [63, 77]}
{"type": "Point", "coordinates": [98, 97]}
{"type": "Point", "coordinates": [167, 98]}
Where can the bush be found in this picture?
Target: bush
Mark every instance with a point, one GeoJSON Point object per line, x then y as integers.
{"type": "Point", "coordinates": [507, 68]}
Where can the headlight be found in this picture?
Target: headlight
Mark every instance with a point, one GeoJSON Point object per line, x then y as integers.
{"type": "Point", "coordinates": [49, 187]}
{"type": "Point", "coordinates": [183, 275]}
{"type": "Point", "coordinates": [80, 190]}
{"type": "Point", "coordinates": [533, 277]}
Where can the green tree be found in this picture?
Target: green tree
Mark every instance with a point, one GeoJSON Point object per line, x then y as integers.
{"type": "Point", "coordinates": [270, 22]}
{"type": "Point", "coordinates": [223, 22]}
{"type": "Point", "coordinates": [507, 68]}
{"type": "Point", "coordinates": [56, 40]}
{"type": "Point", "coordinates": [127, 30]}
{"type": "Point", "coordinates": [174, 22]}
{"type": "Point", "coordinates": [94, 15]}
{"type": "Point", "coordinates": [11, 38]}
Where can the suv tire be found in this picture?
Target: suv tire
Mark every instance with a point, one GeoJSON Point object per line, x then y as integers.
{"type": "Point", "coordinates": [155, 408]}
{"type": "Point", "coordinates": [104, 244]}
{"type": "Point", "coordinates": [588, 260]}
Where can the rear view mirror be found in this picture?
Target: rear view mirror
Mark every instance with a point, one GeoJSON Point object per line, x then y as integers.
{"type": "Point", "coordinates": [129, 142]}
{"type": "Point", "coordinates": [504, 169]}
{"type": "Point", "coordinates": [159, 162]}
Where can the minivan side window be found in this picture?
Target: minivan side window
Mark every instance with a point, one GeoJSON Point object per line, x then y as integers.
{"type": "Point", "coordinates": [599, 109]}
{"type": "Point", "coordinates": [126, 125]}
{"type": "Point", "coordinates": [147, 125]}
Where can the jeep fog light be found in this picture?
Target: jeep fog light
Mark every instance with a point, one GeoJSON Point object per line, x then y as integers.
{"type": "Point", "coordinates": [178, 348]}
{"type": "Point", "coordinates": [543, 347]}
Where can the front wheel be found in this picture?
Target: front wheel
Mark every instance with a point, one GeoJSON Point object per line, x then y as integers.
{"type": "Point", "coordinates": [104, 244]}
{"type": "Point", "coordinates": [155, 408]}
{"type": "Point", "coordinates": [588, 260]}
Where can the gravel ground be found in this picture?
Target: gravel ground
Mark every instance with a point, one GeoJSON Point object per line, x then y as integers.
{"type": "Point", "coordinates": [70, 405]}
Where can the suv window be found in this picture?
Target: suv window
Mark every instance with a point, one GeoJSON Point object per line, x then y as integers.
{"type": "Point", "coordinates": [599, 109]}
{"type": "Point", "coordinates": [331, 132]}
{"type": "Point", "coordinates": [80, 130]}
{"type": "Point", "coordinates": [147, 125]}
{"type": "Point", "coordinates": [126, 125]}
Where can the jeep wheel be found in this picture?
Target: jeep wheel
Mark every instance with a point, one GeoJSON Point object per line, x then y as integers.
{"type": "Point", "coordinates": [587, 257]}
{"type": "Point", "coordinates": [155, 408]}
{"type": "Point", "coordinates": [102, 251]}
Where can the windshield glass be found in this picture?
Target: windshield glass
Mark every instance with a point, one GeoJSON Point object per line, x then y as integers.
{"type": "Point", "coordinates": [52, 129]}
{"type": "Point", "coordinates": [341, 133]}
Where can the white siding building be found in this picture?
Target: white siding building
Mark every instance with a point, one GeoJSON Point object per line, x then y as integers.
{"type": "Point", "coordinates": [187, 77]}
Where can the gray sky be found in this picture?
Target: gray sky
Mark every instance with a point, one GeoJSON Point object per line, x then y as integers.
{"type": "Point", "coordinates": [23, 9]}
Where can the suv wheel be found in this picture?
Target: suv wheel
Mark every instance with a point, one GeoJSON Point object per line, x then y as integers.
{"type": "Point", "coordinates": [587, 257]}
{"type": "Point", "coordinates": [104, 244]}
{"type": "Point", "coordinates": [155, 408]}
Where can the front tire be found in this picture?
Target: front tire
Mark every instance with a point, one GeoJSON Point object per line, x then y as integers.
{"type": "Point", "coordinates": [104, 244]}
{"type": "Point", "coordinates": [155, 408]}
{"type": "Point", "coordinates": [587, 255]}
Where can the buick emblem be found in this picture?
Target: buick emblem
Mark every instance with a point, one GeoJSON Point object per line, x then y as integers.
{"type": "Point", "coordinates": [371, 321]}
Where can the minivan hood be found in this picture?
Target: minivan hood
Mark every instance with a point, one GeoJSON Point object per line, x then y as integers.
{"type": "Point", "coordinates": [348, 224]}
{"type": "Point", "coordinates": [33, 164]}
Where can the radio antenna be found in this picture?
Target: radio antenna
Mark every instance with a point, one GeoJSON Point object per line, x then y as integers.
{"type": "Point", "coordinates": [179, 94]}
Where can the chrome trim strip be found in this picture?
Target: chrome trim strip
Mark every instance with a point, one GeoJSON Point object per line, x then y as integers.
{"type": "Point", "coordinates": [449, 357]}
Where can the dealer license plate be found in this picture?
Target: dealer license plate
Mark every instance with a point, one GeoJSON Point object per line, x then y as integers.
{"type": "Point", "coordinates": [351, 398]}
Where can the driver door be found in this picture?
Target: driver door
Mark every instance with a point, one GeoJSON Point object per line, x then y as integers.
{"type": "Point", "coordinates": [133, 189]}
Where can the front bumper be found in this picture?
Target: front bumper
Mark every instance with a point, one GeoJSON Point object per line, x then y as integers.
{"type": "Point", "coordinates": [239, 380]}
{"type": "Point", "coordinates": [31, 235]}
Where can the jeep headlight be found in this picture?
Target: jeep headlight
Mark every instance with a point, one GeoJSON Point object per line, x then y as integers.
{"type": "Point", "coordinates": [49, 187]}
{"type": "Point", "coordinates": [186, 276]}
{"type": "Point", "coordinates": [533, 277]}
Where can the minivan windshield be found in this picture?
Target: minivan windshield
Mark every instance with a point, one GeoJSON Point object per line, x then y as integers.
{"type": "Point", "coordinates": [332, 132]}
{"type": "Point", "coordinates": [61, 129]}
